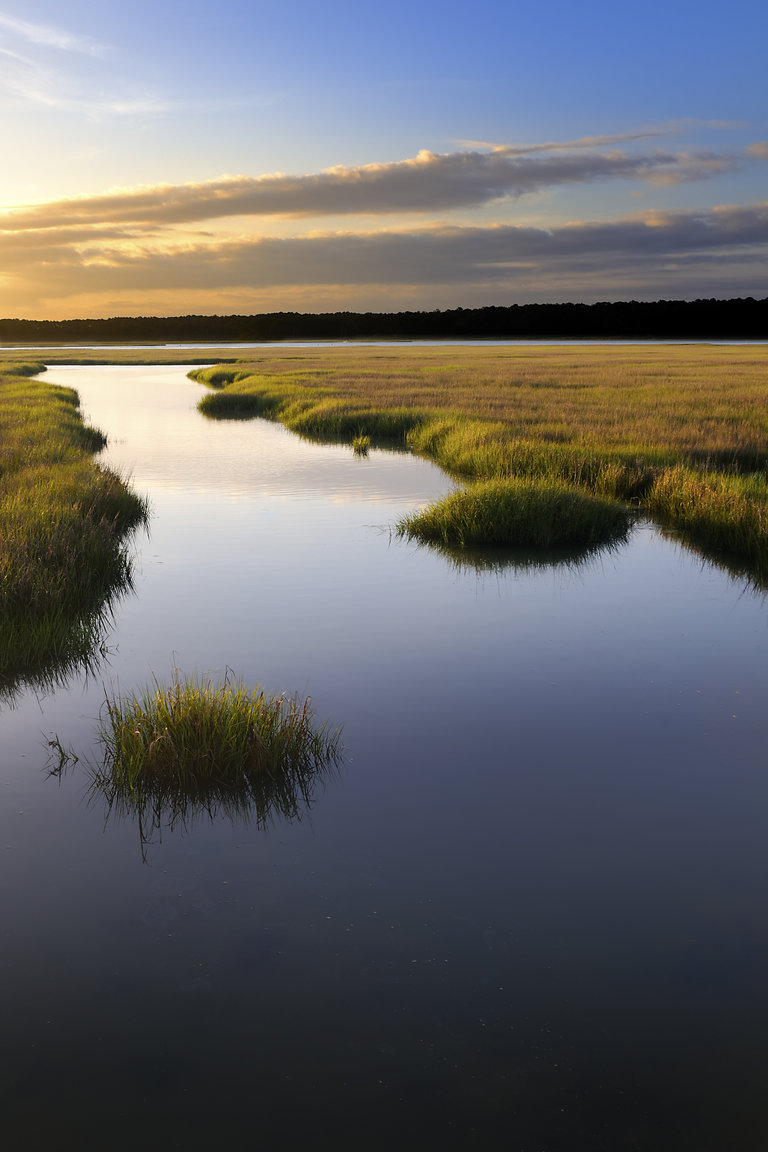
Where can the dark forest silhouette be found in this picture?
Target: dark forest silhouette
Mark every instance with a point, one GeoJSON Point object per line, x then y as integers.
{"type": "Point", "coordinates": [661, 319]}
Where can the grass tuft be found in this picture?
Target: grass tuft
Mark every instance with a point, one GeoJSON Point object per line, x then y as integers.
{"type": "Point", "coordinates": [518, 512]}
{"type": "Point", "coordinates": [197, 740]}
{"type": "Point", "coordinates": [195, 748]}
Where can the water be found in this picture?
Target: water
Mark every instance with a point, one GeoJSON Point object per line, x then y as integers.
{"type": "Point", "coordinates": [529, 912]}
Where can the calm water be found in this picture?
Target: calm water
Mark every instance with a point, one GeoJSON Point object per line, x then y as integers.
{"type": "Point", "coordinates": [530, 911]}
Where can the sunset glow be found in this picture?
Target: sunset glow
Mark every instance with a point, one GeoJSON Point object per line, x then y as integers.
{"type": "Point", "coordinates": [248, 159]}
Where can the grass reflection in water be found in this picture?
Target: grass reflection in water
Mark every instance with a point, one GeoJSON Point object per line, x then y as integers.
{"type": "Point", "coordinates": [49, 653]}
{"type": "Point", "coordinates": [197, 748]}
{"type": "Point", "coordinates": [64, 525]}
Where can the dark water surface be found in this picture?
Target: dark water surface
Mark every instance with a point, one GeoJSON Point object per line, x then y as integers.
{"type": "Point", "coordinates": [529, 912]}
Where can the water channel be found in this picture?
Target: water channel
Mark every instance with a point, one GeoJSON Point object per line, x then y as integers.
{"type": "Point", "coordinates": [529, 910]}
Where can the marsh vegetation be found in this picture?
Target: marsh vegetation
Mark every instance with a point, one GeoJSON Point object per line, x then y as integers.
{"type": "Point", "coordinates": [679, 431]}
{"type": "Point", "coordinates": [198, 738]}
{"type": "Point", "coordinates": [63, 522]}
{"type": "Point", "coordinates": [195, 747]}
{"type": "Point", "coordinates": [531, 751]}
{"type": "Point", "coordinates": [518, 512]}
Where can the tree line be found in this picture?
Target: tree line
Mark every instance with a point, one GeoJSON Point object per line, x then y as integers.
{"type": "Point", "coordinates": [739, 319]}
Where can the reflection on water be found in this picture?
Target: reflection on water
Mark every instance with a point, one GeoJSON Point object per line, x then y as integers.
{"type": "Point", "coordinates": [512, 560]}
{"type": "Point", "coordinates": [577, 560]}
{"type": "Point", "coordinates": [743, 573]}
{"type": "Point", "coordinates": [192, 750]}
{"type": "Point", "coordinates": [261, 801]}
{"type": "Point", "coordinates": [532, 910]}
{"type": "Point", "coordinates": [42, 655]}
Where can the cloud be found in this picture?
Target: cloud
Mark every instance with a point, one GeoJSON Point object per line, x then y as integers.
{"type": "Point", "coordinates": [39, 80]}
{"type": "Point", "coordinates": [34, 84]}
{"type": "Point", "coordinates": [562, 146]}
{"type": "Point", "coordinates": [500, 257]}
{"type": "Point", "coordinates": [51, 37]}
{"type": "Point", "coordinates": [149, 243]}
{"type": "Point", "coordinates": [428, 182]}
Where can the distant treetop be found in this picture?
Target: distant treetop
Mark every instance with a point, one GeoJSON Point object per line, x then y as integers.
{"type": "Point", "coordinates": [741, 319]}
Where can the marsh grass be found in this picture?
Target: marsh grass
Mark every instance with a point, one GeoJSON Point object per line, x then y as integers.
{"type": "Point", "coordinates": [681, 431]}
{"type": "Point", "coordinates": [196, 736]}
{"type": "Point", "coordinates": [361, 445]}
{"type": "Point", "coordinates": [518, 512]}
{"type": "Point", "coordinates": [306, 407]}
{"type": "Point", "coordinates": [23, 368]}
{"type": "Point", "coordinates": [217, 376]}
{"type": "Point", "coordinates": [196, 747]}
{"type": "Point", "coordinates": [63, 523]}
{"type": "Point", "coordinates": [49, 355]}
{"type": "Point", "coordinates": [719, 512]}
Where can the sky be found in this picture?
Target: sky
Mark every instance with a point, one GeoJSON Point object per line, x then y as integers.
{"type": "Point", "coordinates": [182, 156]}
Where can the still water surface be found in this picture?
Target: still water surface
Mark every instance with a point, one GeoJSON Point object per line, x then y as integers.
{"type": "Point", "coordinates": [530, 911]}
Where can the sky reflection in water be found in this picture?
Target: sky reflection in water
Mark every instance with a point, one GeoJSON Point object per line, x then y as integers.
{"type": "Point", "coordinates": [532, 905]}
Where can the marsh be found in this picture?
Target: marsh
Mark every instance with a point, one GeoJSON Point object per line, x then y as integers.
{"type": "Point", "coordinates": [532, 899]}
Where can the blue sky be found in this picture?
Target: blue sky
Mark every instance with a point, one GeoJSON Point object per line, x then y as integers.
{"type": "Point", "coordinates": [189, 157]}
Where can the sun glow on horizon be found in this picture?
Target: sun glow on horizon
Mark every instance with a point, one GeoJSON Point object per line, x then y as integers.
{"type": "Point", "coordinates": [340, 179]}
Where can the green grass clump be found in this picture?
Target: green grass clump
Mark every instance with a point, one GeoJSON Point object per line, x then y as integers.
{"type": "Point", "coordinates": [338, 420]}
{"type": "Point", "coordinates": [196, 746]}
{"type": "Point", "coordinates": [195, 735]}
{"type": "Point", "coordinates": [361, 445]}
{"type": "Point", "coordinates": [519, 512]}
